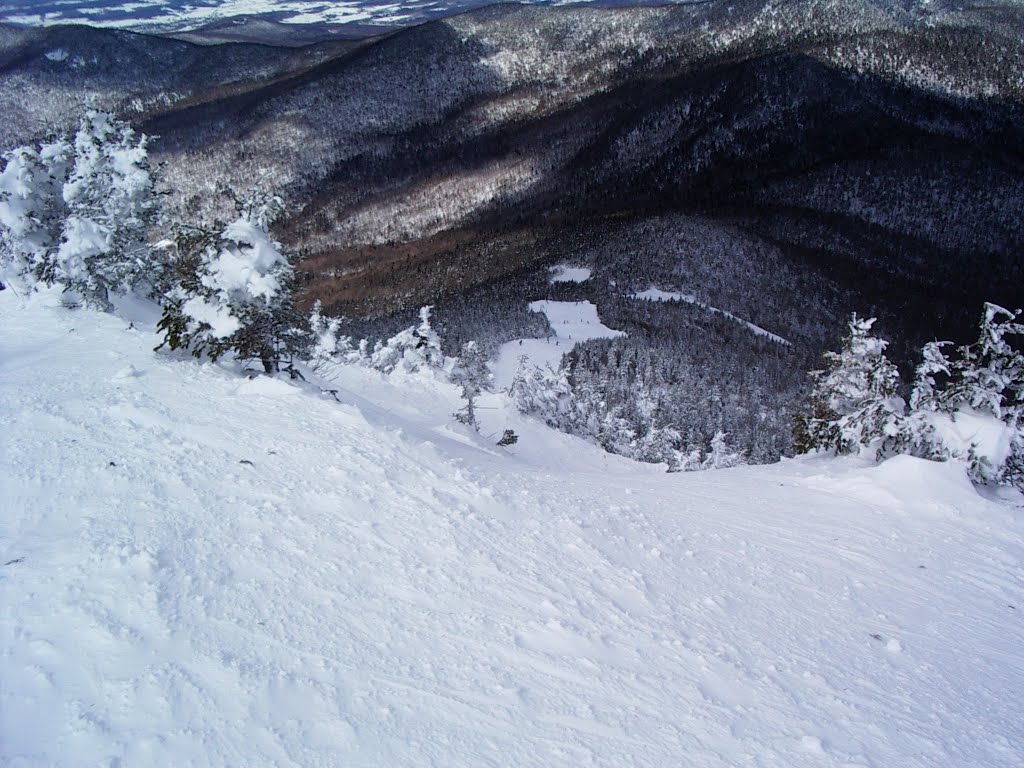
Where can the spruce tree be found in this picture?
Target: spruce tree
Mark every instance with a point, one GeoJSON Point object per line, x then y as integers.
{"type": "Point", "coordinates": [234, 291]}
{"type": "Point", "coordinates": [474, 377]}
{"type": "Point", "coordinates": [989, 376]}
{"type": "Point", "coordinates": [855, 401]}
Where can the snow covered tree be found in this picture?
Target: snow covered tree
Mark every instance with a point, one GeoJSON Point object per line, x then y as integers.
{"type": "Point", "coordinates": [543, 392]}
{"type": "Point", "coordinates": [989, 376]}
{"type": "Point", "coordinates": [854, 401]}
{"type": "Point", "coordinates": [658, 446]}
{"type": "Point", "coordinates": [78, 214]}
{"type": "Point", "coordinates": [474, 377]}
{"type": "Point", "coordinates": [234, 291]}
{"type": "Point", "coordinates": [721, 456]}
{"type": "Point", "coordinates": [969, 408]}
{"type": "Point", "coordinates": [111, 206]}
{"type": "Point", "coordinates": [417, 347]}
{"type": "Point", "coordinates": [328, 347]}
{"type": "Point", "coordinates": [927, 393]}
{"type": "Point", "coordinates": [31, 207]}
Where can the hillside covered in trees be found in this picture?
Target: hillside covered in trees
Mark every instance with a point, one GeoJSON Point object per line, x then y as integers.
{"type": "Point", "coordinates": [783, 163]}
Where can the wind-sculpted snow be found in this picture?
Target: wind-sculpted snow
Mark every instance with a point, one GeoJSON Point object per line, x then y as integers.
{"type": "Point", "coordinates": [201, 568]}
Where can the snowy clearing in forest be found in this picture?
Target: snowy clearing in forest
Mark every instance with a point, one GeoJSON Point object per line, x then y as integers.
{"type": "Point", "coordinates": [197, 568]}
{"type": "Point", "coordinates": [571, 322]}
{"type": "Point", "coordinates": [656, 294]}
{"type": "Point", "coordinates": [566, 274]}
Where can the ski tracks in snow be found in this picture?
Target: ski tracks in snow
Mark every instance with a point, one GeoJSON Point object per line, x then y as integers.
{"type": "Point", "coordinates": [211, 570]}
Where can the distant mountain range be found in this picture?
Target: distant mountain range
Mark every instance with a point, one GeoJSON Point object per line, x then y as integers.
{"type": "Point", "coordinates": [785, 162]}
{"type": "Point", "coordinates": [274, 19]}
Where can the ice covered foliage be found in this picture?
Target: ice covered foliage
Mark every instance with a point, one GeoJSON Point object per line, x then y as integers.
{"type": "Point", "coordinates": [234, 291]}
{"type": "Point", "coordinates": [968, 407]}
{"type": "Point", "coordinates": [31, 205]}
{"type": "Point", "coordinates": [990, 372]}
{"type": "Point", "coordinates": [543, 392]}
{"type": "Point", "coordinates": [855, 400]}
{"type": "Point", "coordinates": [721, 456]}
{"type": "Point", "coordinates": [473, 376]}
{"type": "Point", "coordinates": [643, 435]}
{"type": "Point", "coordinates": [417, 347]}
{"type": "Point", "coordinates": [78, 213]}
{"type": "Point", "coordinates": [976, 414]}
{"type": "Point", "coordinates": [328, 347]}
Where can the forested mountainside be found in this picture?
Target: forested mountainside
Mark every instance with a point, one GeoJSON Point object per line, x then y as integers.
{"type": "Point", "coordinates": [786, 163]}
{"type": "Point", "coordinates": [47, 74]}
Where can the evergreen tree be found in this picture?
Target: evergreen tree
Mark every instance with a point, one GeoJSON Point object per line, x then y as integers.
{"type": "Point", "coordinates": [31, 207]}
{"type": "Point", "coordinates": [854, 401]}
{"type": "Point", "coordinates": [989, 376]}
{"type": "Point", "coordinates": [234, 291]}
{"type": "Point", "coordinates": [415, 348]}
{"type": "Point", "coordinates": [721, 456]}
{"type": "Point", "coordinates": [328, 347]}
{"type": "Point", "coordinates": [111, 206]}
{"type": "Point", "coordinates": [474, 377]}
{"type": "Point", "coordinates": [545, 393]}
{"type": "Point", "coordinates": [78, 214]}
{"type": "Point", "coordinates": [927, 393]}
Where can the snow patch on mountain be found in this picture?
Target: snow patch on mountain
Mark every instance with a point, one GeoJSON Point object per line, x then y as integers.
{"type": "Point", "coordinates": [571, 322]}
{"type": "Point", "coordinates": [656, 294]}
{"type": "Point", "coordinates": [563, 273]}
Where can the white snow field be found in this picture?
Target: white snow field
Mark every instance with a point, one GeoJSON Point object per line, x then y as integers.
{"type": "Point", "coordinates": [201, 569]}
{"type": "Point", "coordinates": [563, 273]}
{"type": "Point", "coordinates": [571, 322]}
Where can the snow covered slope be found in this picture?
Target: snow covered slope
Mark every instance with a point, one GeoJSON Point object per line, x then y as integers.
{"type": "Point", "coordinates": [201, 569]}
{"type": "Point", "coordinates": [571, 323]}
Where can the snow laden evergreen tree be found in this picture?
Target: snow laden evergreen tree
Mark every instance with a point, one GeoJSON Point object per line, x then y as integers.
{"type": "Point", "coordinates": [854, 402]}
{"type": "Point", "coordinates": [78, 213]}
{"type": "Point", "coordinates": [968, 407]}
{"type": "Point", "coordinates": [989, 376]}
{"type": "Point", "coordinates": [988, 380]}
{"type": "Point", "coordinates": [31, 208]}
{"type": "Point", "coordinates": [721, 456]}
{"type": "Point", "coordinates": [918, 435]}
{"type": "Point", "coordinates": [418, 347]}
{"type": "Point", "coordinates": [473, 376]}
{"type": "Point", "coordinates": [328, 347]}
{"type": "Point", "coordinates": [544, 393]}
{"type": "Point", "coordinates": [234, 291]}
{"type": "Point", "coordinates": [658, 445]}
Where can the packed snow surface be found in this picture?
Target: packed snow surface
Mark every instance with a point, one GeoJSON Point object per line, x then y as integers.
{"type": "Point", "coordinates": [571, 322]}
{"type": "Point", "coordinates": [656, 294]}
{"type": "Point", "coordinates": [197, 568]}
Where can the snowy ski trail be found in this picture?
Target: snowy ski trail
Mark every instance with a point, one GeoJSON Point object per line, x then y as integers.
{"type": "Point", "coordinates": [202, 569]}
